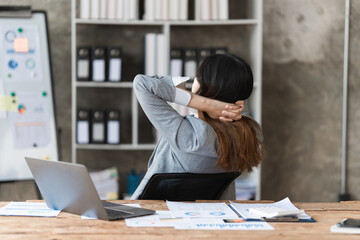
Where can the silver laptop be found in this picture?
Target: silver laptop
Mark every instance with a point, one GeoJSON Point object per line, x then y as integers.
{"type": "Point", "coordinates": [68, 187]}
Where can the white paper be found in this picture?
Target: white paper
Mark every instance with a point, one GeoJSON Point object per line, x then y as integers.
{"type": "Point", "coordinates": [25, 66]}
{"type": "Point", "coordinates": [28, 209]}
{"type": "Point", "coordinates": [99, 70]}
{"type": "Point", "coordinates": [242, 209]}
{"type": "Point", "coordinates": [115, 69]}
{"type": "Point", "coordinates": [30, 125]}
{"type": "Point", "coordinates": [219, 224]}
{"type": "Point", "coordinates": [159, 219]}
{"type": "Point", "coordinates": [201, 210]}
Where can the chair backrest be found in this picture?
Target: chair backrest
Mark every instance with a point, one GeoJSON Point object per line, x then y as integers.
{"type": "Point", "coordinates": [187, 186]}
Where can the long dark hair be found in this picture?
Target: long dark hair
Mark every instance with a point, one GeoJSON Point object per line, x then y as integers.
{"type": "Point", "coordinates": [229, 78]}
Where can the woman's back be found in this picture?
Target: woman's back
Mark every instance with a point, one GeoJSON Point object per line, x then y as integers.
{"type": "Point", "coordinates": [188, 144]}
{"type": "Point", "coordinates": [204, 144]}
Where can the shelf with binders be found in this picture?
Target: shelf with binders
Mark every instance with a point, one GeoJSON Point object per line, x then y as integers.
{"type": "Point", "coordinates": [131, 42]}
{"type": "Point", "coordinates": [122, 100]}
{"type": "Point", "coordinates": [154, 12]}
{"type": "Point", "coordinates": [241, 34]}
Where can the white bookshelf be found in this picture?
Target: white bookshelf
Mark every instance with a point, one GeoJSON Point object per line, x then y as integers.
{"type": "Point", "coordinates": [255, 55]}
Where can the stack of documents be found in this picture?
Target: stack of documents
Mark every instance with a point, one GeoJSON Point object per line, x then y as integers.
{"type": "Point", "coordinates": [106, 183]}
{"type": "Point", "coordinates": [200, 216]}
{"type": "Point", "coordinates": [213, 216]}
{"type": "Point", "coordinates": [31, 209]}
{"type": "Point", "coordinates": [243, 210]}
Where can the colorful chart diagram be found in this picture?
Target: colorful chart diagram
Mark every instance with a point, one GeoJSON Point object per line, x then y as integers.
{"type": "Point", "coordinates": [217, 213]}
{"type": "Point", "coordinates": [145, 222]}
{"type": "Point", "coordinates": [22, 108]}
{"type": "Point", "coordinates": [192, 214]}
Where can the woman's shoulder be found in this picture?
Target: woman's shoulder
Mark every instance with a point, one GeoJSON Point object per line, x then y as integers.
{"type": "Point", "coordinates": [200, 128]}
{"type": "Point", "coordinates": [196, 136]}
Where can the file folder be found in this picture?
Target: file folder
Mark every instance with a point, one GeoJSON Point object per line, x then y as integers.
{"type": "Point", "coordinates": [184, 8]}
{"type": "Point", "coordinates": [190, 63]}
{"type": "Point", "coordinates": [113, 127]}
{"type": "Point", "coordinates": [83, 63]}
{"type": "Point", "coordinates": [98, 64]}
{"type": "Point", "coordinates": [103, 9]}
{"type": "Point", "coordinates": [85, 9]}
{"type": "Point", "coordinates": [120, 9]}
{"type": "Point", "coordinates": [114, 63]}
{"type": "Point", "coordinates": [161, 55]}
{"type": "Point", "coordinates": [98, 127]}
{"type": "Point", "coordinates": [202, 54]}
{"type": "Point", "coordinates": [150, 54]}
{"type": "Point", "coordinates": [95, 9]}
{"type": "Point", "coordinates": [111, 9]}
{"type": "Point", "coordinates": [83, 127]}
{"type": "Point", "coordinates": [220, 50]}
{"type": "Point", "coordinates": [176, 62]}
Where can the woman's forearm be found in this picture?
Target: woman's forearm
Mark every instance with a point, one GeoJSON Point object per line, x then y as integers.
{"type": "Point", "coordinates": [216, 109]}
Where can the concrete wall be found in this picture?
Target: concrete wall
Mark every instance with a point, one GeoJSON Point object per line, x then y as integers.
{"type": "Point", "coordinates": [302, 97]}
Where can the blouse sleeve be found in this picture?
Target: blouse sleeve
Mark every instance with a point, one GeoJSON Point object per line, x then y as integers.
{"type": "Point", "coordinates": [153, 93]}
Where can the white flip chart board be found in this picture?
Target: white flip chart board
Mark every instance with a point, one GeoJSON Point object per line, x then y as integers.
{"type": "Point", "coordinates": [27, 116]}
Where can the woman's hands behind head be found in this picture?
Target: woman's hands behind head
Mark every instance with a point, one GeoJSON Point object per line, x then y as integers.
{"type": "Point", "coordinates": [226, 112]}
{"type": "Point", "coordinates": [232, 112]}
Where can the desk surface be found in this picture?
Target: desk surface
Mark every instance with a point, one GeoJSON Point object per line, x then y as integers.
{"type": "Point", "coordinates": [70, 226]}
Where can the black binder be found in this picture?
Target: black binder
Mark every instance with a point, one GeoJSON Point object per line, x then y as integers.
{"type": "Point", "coordinates": [114, 64]}
{"type": "Point", "coordinates": [219, 50]}
{"type": "Point", "coordinates": [83, 126]}
{"type": "Point", "coordinates": [177, 62]}
{"type": "Point", "coordinates": [203, 53]}
{"type": "Point", "coordinates": [99, 64]}
{"type": "Point", "coordinates": [83, 66]}
{"type": "Point", "coordinates": [113, 127]}
{"type": "Point", "coordinates": [98, 126]}
{"type": "Point", "coordinates": [190, 63]}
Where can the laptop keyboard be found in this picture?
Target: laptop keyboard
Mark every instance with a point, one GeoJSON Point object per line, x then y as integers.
{"type": "Point", "coordinates": [114, 211]}
{"type": "Point", "coordinates": [113, 214]}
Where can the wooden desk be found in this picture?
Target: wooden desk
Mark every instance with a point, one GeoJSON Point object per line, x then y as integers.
{"type": "Point", "coordinates": [70, 226]}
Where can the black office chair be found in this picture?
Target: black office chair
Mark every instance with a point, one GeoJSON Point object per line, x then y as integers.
{"type": "Point", "coordinates": [187, 186]}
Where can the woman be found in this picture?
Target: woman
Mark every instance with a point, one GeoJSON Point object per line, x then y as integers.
{"type": "Point", "coordinates": [210, 142]}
